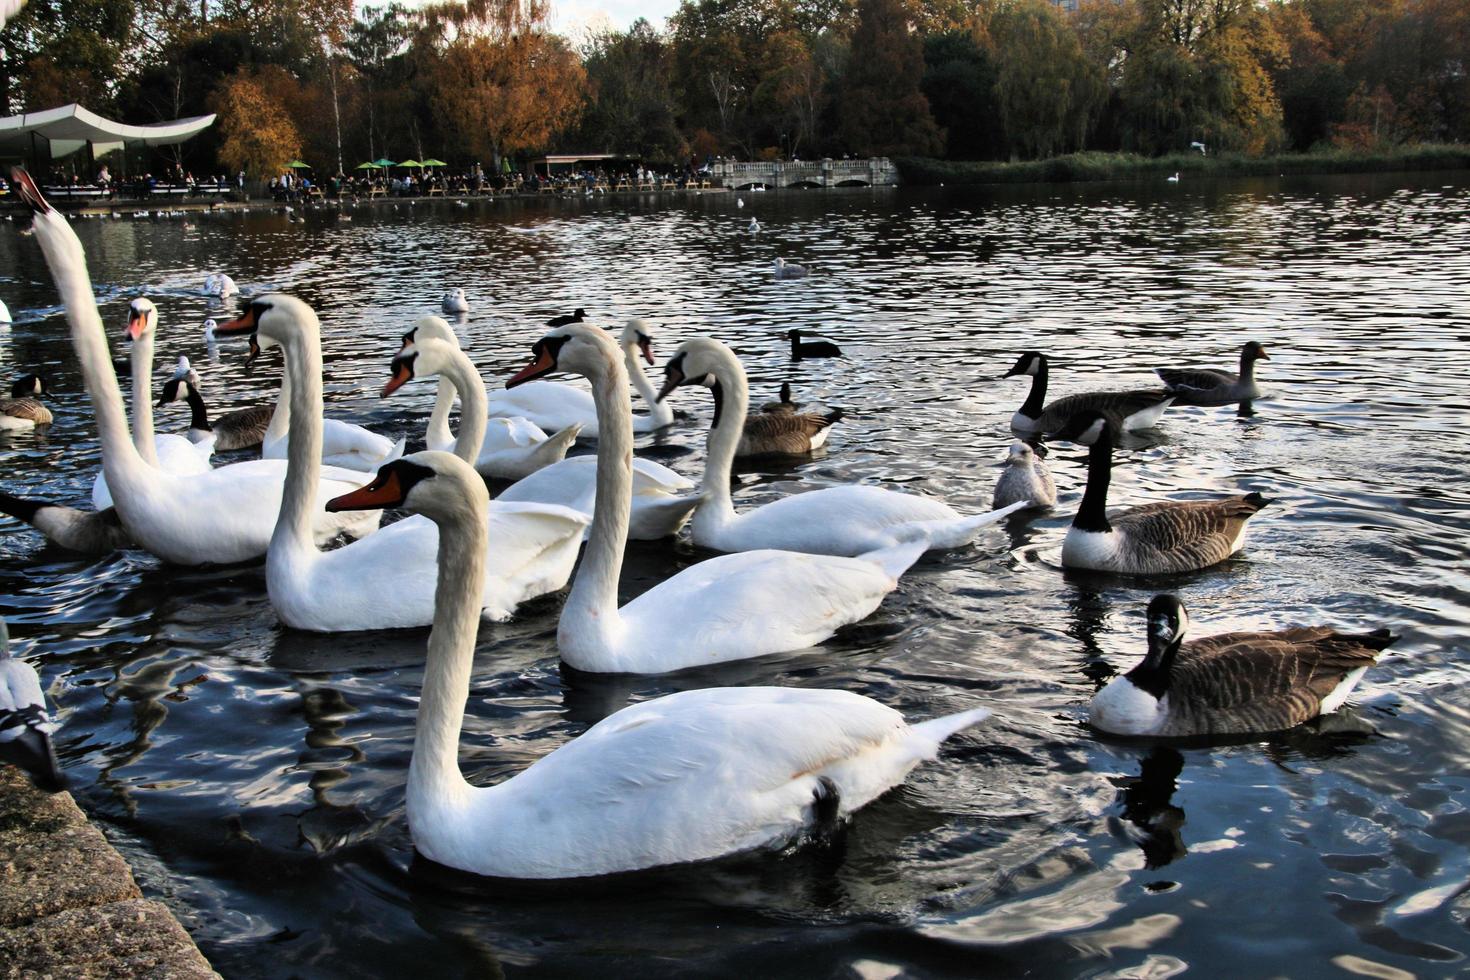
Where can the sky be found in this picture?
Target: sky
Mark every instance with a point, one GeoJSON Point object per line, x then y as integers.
{"type": "Point", "coordinates": [575, 16]}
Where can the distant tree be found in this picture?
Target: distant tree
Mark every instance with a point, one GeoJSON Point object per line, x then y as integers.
{"type": "Point", "coordinates": [959, 82]}
{"type": "Point", "coordinates": [1048, 92]}
{"type": "Point", "coordinates": [631, 107]}
{"type": "Point", "coordinates": [260, 137]}
{"type": "Point", "coordinates": [791, 93]}
{"type": "Point", "coordinates": [882, 109]}
{"type": "Point", "coordinates": [56, 51]}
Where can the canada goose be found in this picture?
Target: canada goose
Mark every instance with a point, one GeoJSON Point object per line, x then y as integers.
{"type": "Point", "coordinates": [23, 409]}
{"type": "Point", "coordinates": [1208, 386]}
{"type": "Point", "coordinates": [1232, 683]}
{"type": "Point", "coordinates": [789, 270]}
{"type": "Point", "coordinates": [783, 406]}
{"type": "Point", "coordinates": [243, 428]}
{"type": "Point", "coordinates": [1124, 410]}
{"type": "Point", "coordinates": [788, 433]}
{"type": "Point", "coordinates": [1025, 477]}
{"type": "Point", "coordinates": [89, 532]}
{"type": "Point", "coordinates": [1150, 539]}
{"type": "Point", "coordinates": [25, 728]}
{"type": "Point", "coordinates": [804, 350]}
{"type": "Point", "coordinates": [576, 316]}
{"type": "Point", "coordinates": [454, 301]}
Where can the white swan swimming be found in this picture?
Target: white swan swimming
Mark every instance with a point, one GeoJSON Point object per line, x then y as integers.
{"type": "Point", "coordinates": [687, 777]}
{"type": "Point", "coordinates": [554, 406]}
{"type": "Point", "coordinates": [849, 520]}
{"type": "Point", "coordinates": [727, 608]}
{"type": "Point", "coordinates": [222, 516]}
{"type": "Point", "coordinates": [386, 581]}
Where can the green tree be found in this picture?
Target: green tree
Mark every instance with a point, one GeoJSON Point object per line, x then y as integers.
{"type": "Point", "coordinates": [1048, 92]}
{"type": "Point", "coordinates": [959, 82]}
{"type": "Point", "coordinates": [882, 109]}
{"type": "Point", "coordinates": [632, 108]}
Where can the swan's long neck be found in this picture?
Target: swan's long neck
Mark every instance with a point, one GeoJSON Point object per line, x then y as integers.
{"type": "Point", "coordinates": [660, 411]}
{"type": "Point", "coordinates": [593, 603]}
{"type": "Point", "coordinates": [433, 774]}
{"type": "Point", "coordinates": [732, 401]}
{"type": "Point", "coordinates": [1036, 398]}
{"type": "Point", "coordinates": [464, 378]}
{"type": "Point", "coordinates": [142, 358]}
{"type": "Point", "coordinates": [281, 417]}
{"type": "Point", "coordinates": [437, 433]}
{"type": "Point", "coordinates": [120, 460]}
{"type": "Point", "coordinates": [301, 394]}
{"type": "Point", "coordinates": [1092, 513]}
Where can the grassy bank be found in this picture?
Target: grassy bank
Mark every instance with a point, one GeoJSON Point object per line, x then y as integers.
{"type": "Point", "coordinates": [1126, 166]}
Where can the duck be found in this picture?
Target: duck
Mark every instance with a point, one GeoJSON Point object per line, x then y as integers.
{"type": "Point", "coordinates": [87, 532]}
{"type": "Point", "coordinates": [220, 285]}
{"type": "Point", "coordinates": [1209, 386]}
{"type": "Point", "coordinates": [576, 316]}
{"type": "Point", "coordinates": [810, 349]}
{"type": "Point", "coordinates": [846, 520]}
{"type": "Point", "coordinates": [222, 516]}
{"type": "Point", "coordinates": [691, 776]}
{"type": "Point", "coordinates": [1127, 411]}
{"type": "Point", "coordinates": [386, 581]}
{"type": "Point", "coordinates": [555, 406]}
{"type": "Point", "coordinates": [1232, 683]}
{"type": "Point", "coordinates": [454, 301]}
{"type": "Point", "coordinates": [789, 270]}
{"type": "Point", "coordinates": [513, 447]}
{"type": "Point", "coordinates": [162, 450]}
{"type": "Point", "coordinates": [1161, 538]}
{"type": "Point", "coordinates": [243, 428]}
{"type": "Point", "coordinates": [24, 409]}
{"type": "Point", "coordinates": [1025, 477]}
{"type": "Point", "coordinates": [726, 608]}
{"type": "Point", "coordinates": [25, 727]}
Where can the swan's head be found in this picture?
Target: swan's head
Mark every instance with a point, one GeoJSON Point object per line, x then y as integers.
{"type": "Point", "coordinates": [430, 326]}
{"type": "Point", "coordinates": [28, 386]}
{"type": "Point", "coordinates": [577, 348]}
{"type": "Point", "coordinates": [142, 317]}
{"type": "Point", "coordinates": [1168, 620]}
{"type": "Point", "coordinates": [697, 362]}
{"type": "Point", "coordinates": [1254, 352]}
{"type": "Point", "coordinates": [1030, 363]}
{"type": "Point", "coordinates": [638, 333]}
{"type": "Point", "coordinates": [1085, 427]}
{"type": "Point", "coordinates": [441, 486]}
{"type": "Point", "coordinates": [427, 357]}
{"type": "Point", "coordinates": [269, 320]}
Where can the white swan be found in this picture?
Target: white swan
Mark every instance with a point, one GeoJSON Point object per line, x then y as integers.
{"type": "Point", "coordinates": [344, 444]}
{"type": "Point", "coordinates": [727, 608]}
{"type": "Point", "coordinates": [555, 406]}
{"type": "Point", "coordinates": [848, 520]}
{"type": "Point", "coordinates": [454, 301]}
{"type": "Point", "coordinates": [168, 452]}
{"type": "Point", "coordinates": [5, 313]}
{"type": "Point", "coordinates": [688, 777]}
{"type": "Point", "coordinates": [658, 508]}
{"type": "Point", "coordinates": [387, 581]}
{"type": "Point", "coordinates": [222, 516]}
{"type": "Point", "coordinates": [514, 447]}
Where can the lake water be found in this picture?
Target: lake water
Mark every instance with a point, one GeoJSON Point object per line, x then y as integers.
{"type": "Point", "coordinates": [255, 775]}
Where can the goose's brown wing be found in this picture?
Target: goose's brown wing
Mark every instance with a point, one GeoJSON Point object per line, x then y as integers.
{"type": "Point", "coordinates": [26, 408]}
{"type": "Point", "coordinates": [1115, 405]}
{"type": "Point", "coordinates": [1180, 535]}
{"type": "Point", "coordinates": [789, 434]}
{"type": "Point", "coordinates": [243, 428]}
{"type": "Point", "coordinates": [1199, 379]}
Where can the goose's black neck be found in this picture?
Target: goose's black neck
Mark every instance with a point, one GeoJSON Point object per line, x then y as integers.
{"type": "Point", "coordinates": [1247, 365]}
{"type": "Point", "coordinates": [1152, 675]}
{"type": "Point", "coordinates": [719, 394]}
{"type": "Point", "coordinates": [198, 416]}
{"type": "Point", "coordinates": [1092, 515]}
{"type": "Point", "coordinates": [1036, 399]}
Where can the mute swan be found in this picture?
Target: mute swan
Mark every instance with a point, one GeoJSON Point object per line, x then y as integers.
{"type": "Point", "coordinates": [849, 520]}
{"type": "Point", "coordinates": [1174, 177]}
{"type": "Point", "coordinates": [386, 581]}
{"type": "Point", "coordinates": [789, 270]}
{"type": "Point", "coordinates": [344, 444]}
{"type": "Point", "coordinates": [1026, 477]}
{"type": "Point", "coordinates": [727, 608]}
{"type": "Point", "coordinates": [556, 406]}
{"type": "Point", "coordinates": [1125, 410]}
{"type": "Point", "coordinates": [24, 409]}
{"type": "Point", "coordinates": [1232, 683]}
{"type": "Point", "coordinates": [221, 516]}
{"type": "Point", "coordinates": [687, 777]}
{"type": "Point", "coordinates": [243, 428]}
{"type": "Point", "coordinates": [5, 313]}
{"type": "Point", "coordinates": [25, 727]}
{"type": "Point", "coordinates": [514, 447]}
{"type": "Point", "coordinates": [810, 349]}
{"type": "Point", "coordinates": [561, 320]}
{"type": "Point", "coordinates": [166, 451]}
{"type": "Point", "coordinates": [1150, 539]}
{"type": "Point", "coordinates": [454, 301]}
{"type": "Point", "coordinates": [1208, 386]}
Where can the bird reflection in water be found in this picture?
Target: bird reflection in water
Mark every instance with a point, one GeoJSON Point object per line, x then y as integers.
{"type": "Point", "coordinates": [1149, 819]}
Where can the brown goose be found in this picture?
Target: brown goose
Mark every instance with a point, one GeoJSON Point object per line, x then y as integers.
{"type": "Point", "coordinates": [1151, 539]}
{"type": "Point", "coordinates": [23, 409]}
{"type": "Point", "coordinates": [90, 532]}
{"type": "Point", "coordinates": [1208, 386]}
{"type": "Point", "coordinates": [785, 433]}
{"type": "Point", "coordinates": [783, 407]}
{"type": "Point", "coordinates": [1126, 410]}
{"type": "Point", "coordinates": [243, 428]}
{"type": "Point", "coordinates": [1232, 683]}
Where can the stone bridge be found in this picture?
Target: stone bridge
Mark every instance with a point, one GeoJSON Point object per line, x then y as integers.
{"type": "Point", "coordinates": [873, 172]}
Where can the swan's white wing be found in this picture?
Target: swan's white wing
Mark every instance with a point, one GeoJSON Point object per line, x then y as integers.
{"type": "Point", "coordinates": [340, 438]}
{"type": "Point", "coordinates": [511, 433]}
{"type": "Point", "coordinates": [687, 777]}
{"type": "Point", "coordinates": [650, 476]}
{"type": "Point", "coordinates": [846, 520]}
{"type": "Point", "coordinates": [176, 454]}
{"type": "Point", "coordinates": [550, 405]}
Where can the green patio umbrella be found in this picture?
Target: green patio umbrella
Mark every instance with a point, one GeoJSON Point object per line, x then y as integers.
{"type": "Point", "coordinates": [431, 162]}
{"type": "Point", "coordinates": [385, 162]}
{"type": "Point", "coordinates": [409, 163]}
{"type": "Point", "coordinates": [298, 165]}
{"type": "Point", "coordinates": [505, 167]}
{"type": "Point", "coordinates": [369, 166]}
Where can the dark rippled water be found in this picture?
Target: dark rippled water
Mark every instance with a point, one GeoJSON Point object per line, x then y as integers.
{"type": "Point", "coordinates": [255, 775]}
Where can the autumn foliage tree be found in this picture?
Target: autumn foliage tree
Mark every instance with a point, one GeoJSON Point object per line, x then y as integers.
{"type": "Point", "coordinates": [883, 109]}
{"type": "Point", "coordinates": [260, 136]}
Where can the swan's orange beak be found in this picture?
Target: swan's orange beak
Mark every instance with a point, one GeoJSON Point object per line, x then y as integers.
{"type": "Point", "coordinates": [402, 374]}
{"type": "Point", "coordinates": [244, 323]}
{"type": "Point", "coordinates": [646, 348]}
{"type": "Point", "coordinates": [137, 323]}
{"type": "Point", "coordinates": [543, 364]}
{"type": "Point", "coordinates": [385, 491]}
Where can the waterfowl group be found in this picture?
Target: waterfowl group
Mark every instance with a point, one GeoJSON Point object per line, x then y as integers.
{"type": "Point", "coordinates": [686, 777]}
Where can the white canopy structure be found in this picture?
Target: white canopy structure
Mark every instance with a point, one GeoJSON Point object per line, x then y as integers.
{"type": "Point", "coordinates": [69, 128]}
